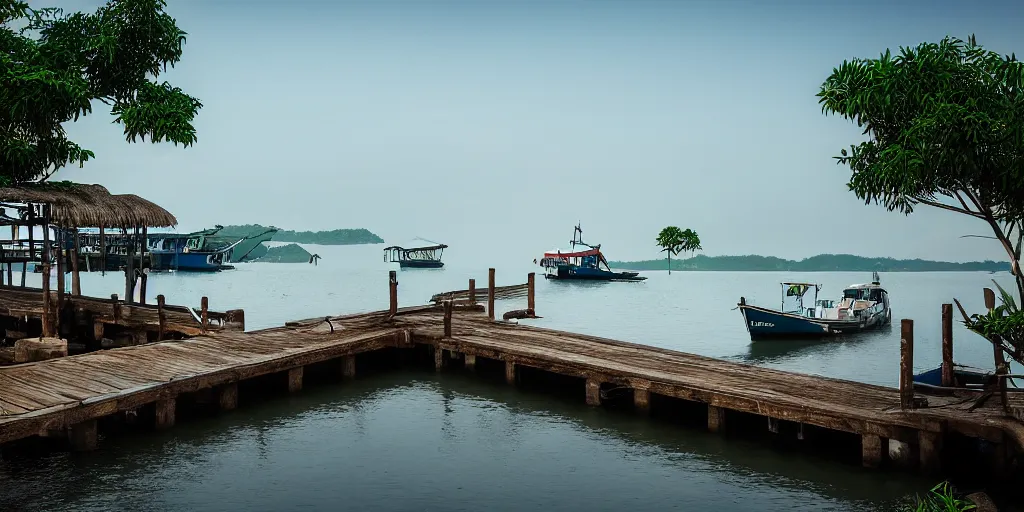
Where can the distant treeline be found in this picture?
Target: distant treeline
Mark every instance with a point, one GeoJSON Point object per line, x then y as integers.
{"type": "Point", "coordinates": [333, 237]}
{"type": "Point", "coordinates": [819, 263]}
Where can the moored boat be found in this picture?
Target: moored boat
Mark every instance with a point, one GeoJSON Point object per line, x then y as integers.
{"type": "Point", "coordinates": [415, 257]}
{"type": "Point", "coordinates": [582, 265]}
{"type": "Point", "coordinates": [862, 307]}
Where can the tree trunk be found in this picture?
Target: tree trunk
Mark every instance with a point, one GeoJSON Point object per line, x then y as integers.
{"type": "Point", "coordinates": [669, 263]}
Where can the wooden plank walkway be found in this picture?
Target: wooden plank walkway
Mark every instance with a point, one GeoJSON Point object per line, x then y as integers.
{"type": "Point", "coordinates": [60, 393]}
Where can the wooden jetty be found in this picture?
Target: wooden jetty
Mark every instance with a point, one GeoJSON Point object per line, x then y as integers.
{"type": "Point", "coordinates": [66, 396]}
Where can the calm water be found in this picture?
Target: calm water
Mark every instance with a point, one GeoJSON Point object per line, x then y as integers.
{"type": "Point", "coordinates": [410, 441]}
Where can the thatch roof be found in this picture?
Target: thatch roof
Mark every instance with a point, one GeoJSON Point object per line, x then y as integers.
{"type": "Point", "coordinates": [78, 205]}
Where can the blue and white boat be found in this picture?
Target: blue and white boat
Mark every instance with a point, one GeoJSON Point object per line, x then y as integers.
{"type": "Point", "coordinates": [862, 307]}
{"type": "Point", "coordinates": [582, 265]}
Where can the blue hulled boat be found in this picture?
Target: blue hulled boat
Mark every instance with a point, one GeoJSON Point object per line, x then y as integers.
{"type": "Point", "coordinates": [862, 307]}
{"type": "Point", "coordinates": [189, 252]}
{"type": "Point", "coordinates": [582, 265]}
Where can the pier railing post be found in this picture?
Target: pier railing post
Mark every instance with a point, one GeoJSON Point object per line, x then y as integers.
{"type": "Point", "coordinates": [448, 319]}
{"type": "Point", "coordinates": [490, 293]}
{"type": "Point", "coordinates": [161, 316]}
{"type": "Point", "coordinates": [393, 291]}
{"type": "Point", "coordinates": [529, 292]}
{"type": "Point", "coordinates": [116, 305]}
{"type": "Point", "coordinates": [947, 345]}
{"type": "Point", "coordinates": [205, 306]}
{"type": "Point", "coordinates": [472, 291]}
{"type": "Point", "coordinates": [907, 364]}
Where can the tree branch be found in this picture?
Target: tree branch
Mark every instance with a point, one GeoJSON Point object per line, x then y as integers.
{"type": "Point", "coordinates": [944, 206]}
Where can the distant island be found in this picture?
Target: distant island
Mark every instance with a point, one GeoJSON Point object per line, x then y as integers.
{"type": "Point", "coordinates": [333, 237]}
{"type": "Point", "coordinates": [819, 263]}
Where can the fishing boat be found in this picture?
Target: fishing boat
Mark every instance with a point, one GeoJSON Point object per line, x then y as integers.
{"type": "Point", "coordinates": [415, 257]}
{"type": "Point", "coordinates": [862, 307]}
{"type": "Point", "coordinates": [582, 265]}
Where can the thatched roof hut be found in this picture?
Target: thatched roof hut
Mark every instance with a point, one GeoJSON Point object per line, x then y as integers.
{"type": "Point", "coordinates": [74, 205]}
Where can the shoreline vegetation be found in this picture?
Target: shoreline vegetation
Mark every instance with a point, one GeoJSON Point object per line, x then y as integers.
{"type": "Point", "coordinates": [819, 263]}
{"type": "Point", "coordinates": [357, 236]}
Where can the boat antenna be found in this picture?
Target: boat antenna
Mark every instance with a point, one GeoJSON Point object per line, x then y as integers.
{"type": "Point", "coordinates": [431, 241]}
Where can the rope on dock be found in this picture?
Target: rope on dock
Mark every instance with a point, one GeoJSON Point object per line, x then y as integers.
{"type": "Point", "coordinates": [514, 291]}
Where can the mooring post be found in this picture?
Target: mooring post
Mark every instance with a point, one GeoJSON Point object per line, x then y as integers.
{"type": "Point", "coordinates": [510, 372]}
{"type": "Point", "coordinates": [530, 304]}
{"type": "Point", "coordinates": [438, 358]}
{"type": "Point", "coordinates": [593, 392]}
{"type": "Point", "coordinates": [393, 291]}
{"type": "Point", "coordinates": [448, 318]}
{"type": "Point", "coordinates": [871, 450]}
{"type": "Point", "coordinates": [947, 345]}
{"type": "Point", "coordinates": [161, 316]}
{"type": "Point", "coordinates": [204, 306]}
{"type": "Point", "coordinates": [470, 361]}
{"type": "Point", "coordinates": [165, 410]}
{"type": "Point", "coordinates": [907, 364]}
{"type": "Point", "coordinates": [227, 396]}
{"type": "Point", "coordinates": [472, 291]}
{"type": "Point", "coordinates": [116, 305]}
{"type": "Point", "coordinates": [490, 293]}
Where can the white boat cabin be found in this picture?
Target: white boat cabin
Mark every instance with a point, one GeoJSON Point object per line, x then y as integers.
{"type": "Point", "coordinates": [858, 300]}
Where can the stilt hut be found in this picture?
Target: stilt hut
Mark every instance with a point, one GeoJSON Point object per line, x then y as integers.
{"type": "Point", "coordinates": [52, 214]}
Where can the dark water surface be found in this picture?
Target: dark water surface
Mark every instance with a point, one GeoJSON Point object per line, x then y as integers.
{"type": "Point", "coordinates": [420, 441]}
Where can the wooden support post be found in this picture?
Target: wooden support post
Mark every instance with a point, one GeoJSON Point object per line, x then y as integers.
{"type": "Point", "coordinates": [773, 425]}
{"type": "Point", "coordinates": [907, 364]}
{"type": "Point", "coordinates": [161, 316]}
{"type": "Point", "coordinates": [716, 419]}
{"type": "Point", "coordinates": [76, 282]}
{"type": "Point", "coordinates": [593, 392]}
{"type": "Point", "coordinates": [997, 352]}
{"type": "Point", "coordinates": [472, 291]}
{"type": "Point", "coordinates": [61, 268]}
{"type": "Point", "coordinates": [165, 410]}
{"type": "Point", "coordinates": [82, 436]}
{"type": "Point", "coordinates": [142, 285]}
{"type": "Point", "coordinates": [490, 293]}
{"type": "Point", "coordinates": [871, 450]}
{"type": "Point", "coordinates": [447, 319]}
{"type": "Point", "coordinates": [116, 306]}
{"type": "Point", "coordinates": [97, 331]}
{"type": "Point", "coordinates": [295, 379]}
{"type": "Point", "coordinates": [31, 234]}
{"type": "Point", "coordinates": [103, 251]}
{"type": "Point", "coordinates": [438, 358]}
{"type": "Point", "coordinates": [48, 330]}
{"type": "Point", "coordinates": [930, 450]}
{"type": "Point", "coordinates": [641, 400]}
{"type": "Point", "coordinates": [204, 306]}
{"type": "Point", "coordinates": [510, 372]}
{"type": "Point", "coordinates": [530, 303]}
{"type": "Point", "coordinates": [947, 345]}
{"type": "Point", "coordinates": [800, 435]}
{"type": "Point", "coordinates": [348, 367]}
{"type": "Point", "coordinates": [470, 362]}
{"type": "Point", "coordinates": [227, 396]}
{"type": "Point", "coordinates": [393, 292]}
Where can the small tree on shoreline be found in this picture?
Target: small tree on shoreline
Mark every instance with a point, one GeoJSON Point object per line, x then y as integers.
{"type": "Point", "coordinates": [671, 240]}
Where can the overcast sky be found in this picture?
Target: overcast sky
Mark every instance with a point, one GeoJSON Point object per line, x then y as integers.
{"type": "Point", "coordinates": [481, 123]}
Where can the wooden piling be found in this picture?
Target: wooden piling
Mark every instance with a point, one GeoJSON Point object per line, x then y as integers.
{"type": "Point", "coordinates": [165, 412]}
{"type": "Point", "coordinates": [716, 419]}
{"type": "Point", "coordinates": [48, 330]}
{"type": "Point", "coordinates": [490, 293]}
{"type": "Point", "coordinates": [295, 379]}
{"type": "Point", "coordinates": [438, 358]}
{"type": "Point", "coordinates": [510, 372]}
{"type": "Point", "coordinates": [472, 291]}
{"type": "Point", "coordinates": [641, 400]}
{"type": "Point", "coordinates": [773, 425]}
{"type": "Point", "coordinates": [348, 367]}
{"type": "Point", "coordinates": [448, 319]}
{"type": "Point", "coordinates": [929, 449]}
{"type": "Point", "coordinates": [61, 268]}
{"type": "Point", "coordinates": [204, 306]}
{"type": "Point", "coordinates": [161, 316]}
{"type": "Point", "coordinates": [76, 283]}
{"type": "Point", "coordinates": [393, 291]}
{"type": "Point", "coordinates": [227, 396]}
{"type": "Point", "coordinates": [530, 304]}
{"type": "Point", "coordinates": [83, 436]}
{"type": "Point", "coordinates": [97, 331]}
{"type": "Point", "coordinates": [115, 306]}
{"type": "Point", "coordinates": [142, 285]}
{"type": "Point", "coordinates": [470, 362]}
{"type": "Point", "coordinates": [907, 364]}
{"type": "Point", "coordinates": [871, 450]}
{"type": "Point", "coordinates": [103, 251]}
{"type": "Point", "coordinates": [947, 345]}
{"type": "Point", "coordinates": [593, 392]}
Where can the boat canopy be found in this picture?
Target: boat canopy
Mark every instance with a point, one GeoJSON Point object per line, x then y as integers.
{"type": "Point", "coordinates": [577, 254]}
{"type": "Point", "coordinates": [799, 289]}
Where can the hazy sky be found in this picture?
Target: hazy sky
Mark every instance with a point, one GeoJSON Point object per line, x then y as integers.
{"type": "Point", "coordinates": [482, 123]}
